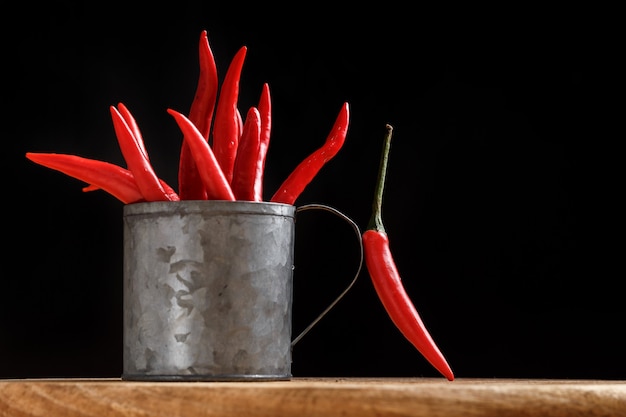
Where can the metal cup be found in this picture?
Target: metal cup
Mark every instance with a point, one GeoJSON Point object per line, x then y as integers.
{"type": "Point", "coordinates": [208, 290]}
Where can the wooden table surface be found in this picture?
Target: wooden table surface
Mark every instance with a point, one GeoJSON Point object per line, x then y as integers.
{"type": "Point", "coordinates": [358, 397]}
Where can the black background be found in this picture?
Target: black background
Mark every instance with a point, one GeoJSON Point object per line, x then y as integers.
{"type": "Point", "coordinates": [501, 191]}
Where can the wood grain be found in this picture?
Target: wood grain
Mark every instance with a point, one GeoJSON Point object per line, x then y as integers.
{"type": "Point", "coordinates": [358, 397]}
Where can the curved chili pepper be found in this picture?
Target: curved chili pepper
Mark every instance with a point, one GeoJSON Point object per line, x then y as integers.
{"type": "Point", "coordinates": [244, 184]}
{"type": "Point", "coordinates": [265, 111]}
{"type": "Point", "coordinates": [227, 125]}
{"type": "Point", "coordinates": [302, 175]}
{"type": "Point", "coordinates": [134, 127]}
{"type": "Point", "coordinates": [213, 178]}
{"type": "Point", "coordinates": [190, 186]}
{"type": "Point", "coordinates": [132, 124]}
{"type": "Point", "coordinates": [147, 180]}
{"type": "Point", "coordinates": [387, 281]}
{"type": "Point", "coordinates": [117, 181]}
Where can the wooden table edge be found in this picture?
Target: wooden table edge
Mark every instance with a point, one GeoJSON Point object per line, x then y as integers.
{"type": "Point", "coordinates": [313, 396]}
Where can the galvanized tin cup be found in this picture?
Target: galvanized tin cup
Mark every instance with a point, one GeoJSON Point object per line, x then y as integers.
{"type": "Point", "coordinates": [208, 290]}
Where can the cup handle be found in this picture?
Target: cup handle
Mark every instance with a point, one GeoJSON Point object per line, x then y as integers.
{"type": "Point", "coordinates": [358, 234]}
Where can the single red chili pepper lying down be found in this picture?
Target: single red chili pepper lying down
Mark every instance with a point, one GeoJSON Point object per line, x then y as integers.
{"type": "Point", "coordinates": [387, 281]}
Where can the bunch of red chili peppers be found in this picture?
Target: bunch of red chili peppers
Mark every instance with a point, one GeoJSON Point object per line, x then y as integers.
{"type": "Point", "coordinates": [229, 168]}
{"type": "Point", "coordinates": [232, 168]}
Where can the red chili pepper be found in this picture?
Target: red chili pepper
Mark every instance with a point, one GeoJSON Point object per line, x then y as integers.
{"type": "Point", "coordinates": [213, 178]}
{"type": "Point", "coordinates": [190, 186]}
{"type": "Point", "coordinates": [245, 184]}
{"type": "Point", "coordinates": [387, 281]}
{"type": "Point", "coordinates": [117, 181]}
{"type": "Point", "coordinates": [227, 125]}
{"type": "Point", "coordinates": [265, 111]}
{"type": "Point", "coordinates": [302, 175]}
{"type": "Point", "coordinates": [132, 124]}
{"type": "Point", "coordinates": [147, 181]}
{"type": "Point", "coordinates": [134, 127]}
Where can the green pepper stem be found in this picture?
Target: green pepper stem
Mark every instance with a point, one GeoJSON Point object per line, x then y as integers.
{"type": "Point", "coordinates": [376, 221]}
